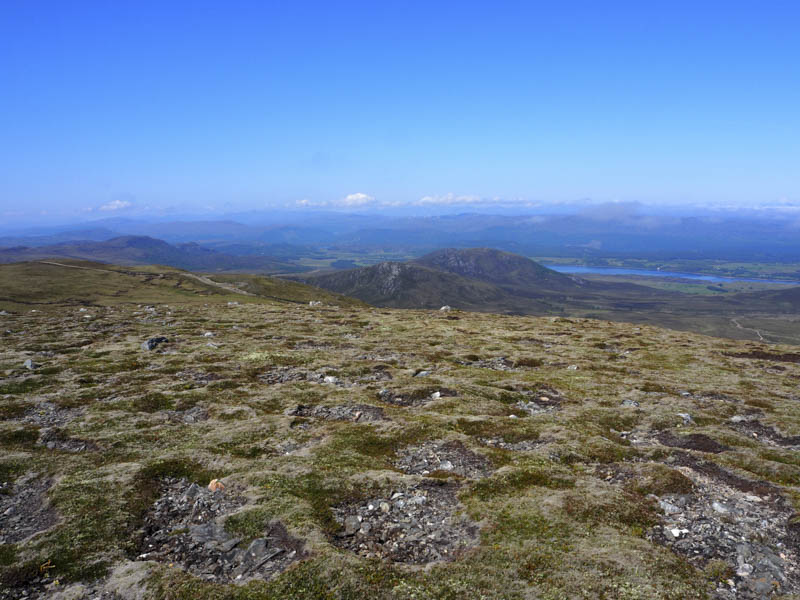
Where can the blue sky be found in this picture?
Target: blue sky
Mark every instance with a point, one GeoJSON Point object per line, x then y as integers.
{"type": "Point", "coordinates": [117, 107]}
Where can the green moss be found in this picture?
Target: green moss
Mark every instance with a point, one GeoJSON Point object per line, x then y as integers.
{"type": "Point", "coordinates": [152, 402]}
{"type": "Point", "coordinates": [512, 482]}
{"type": "Point", "coordinates": [248, 524]}
{"type": "Point", "coordinates": [24, 437]}
{"type": "Point", "coordinates": [10, 470]}
{"type": "Point", "coordinates": [8, 554]}
{"type": "Point", "coordinates": [660, 479]}
{"type": "Point", "coordinates": [627, 509]}
{"type": "Point", "coordinates": [225, 384]}
{"type": "Point", "coordinates": [12, 410]}
{"type": "Point", "coordinates": [26, 386]}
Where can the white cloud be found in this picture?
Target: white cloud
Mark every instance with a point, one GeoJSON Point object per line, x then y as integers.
{"type": "Point", "coordinates": [452, 199]}
{"type": "Point", "coordinates": [116, 205]}
{"type": "Point", "coordinates": [357, 199]}
{"type": "Point", "coordinates": [306, 203]}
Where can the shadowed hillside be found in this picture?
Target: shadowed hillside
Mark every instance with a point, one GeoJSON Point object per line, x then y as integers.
{"type": "Point", "coordinates": [493, 281]}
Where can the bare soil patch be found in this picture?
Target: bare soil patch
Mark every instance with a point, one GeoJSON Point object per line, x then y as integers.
{"type": "Point", "coordinates": [47, 414]}
{"type": "Point", "coordinates": [720, 522]}
{"type": "Point", "coordinates": [362, 413]}
{"type": "Point", "coordinates": [416, 397]}
{"type": "Point", "coordinates": [185, 527]}
{"type": "Point", "coordinates": [713, 471]}
{"type": "Point", "coordinates": [26, 510]}
{"type": "Point", "coordinates": [788, 357]}
{"type": "Point", "coordinates": [196, 414]}
{"type": "Point", "coordinates": [415, 525]}
{"type": "Point", "coordinates": [499, 363]}
{"type": "Point", "coordinates": [448, 457]}
{"type": "Point", "coordinates": [55, 439]}
{"type": "Point", "coordinates": [755, 428]}
{"type": "Point", "coordinates": [520, 446]}
{"type": "Point", "coordinates": [693, 441]}
{"type": "Point", "coordinates": [198, 377]}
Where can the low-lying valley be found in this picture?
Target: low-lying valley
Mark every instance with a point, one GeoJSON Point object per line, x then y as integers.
{"type": "Point", "coordinates": [172, 436]}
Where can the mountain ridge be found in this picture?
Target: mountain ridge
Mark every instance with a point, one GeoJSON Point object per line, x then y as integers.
{"type": "Point", "coordinates": [146, 250]}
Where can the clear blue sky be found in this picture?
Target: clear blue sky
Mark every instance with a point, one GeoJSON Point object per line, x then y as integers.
{"type": "Point", "coordinates": [134, 104]}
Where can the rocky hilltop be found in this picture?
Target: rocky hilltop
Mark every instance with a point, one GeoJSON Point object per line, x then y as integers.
{"type": "Point", "coordinates": [498, 267]}
{"type": "Point", "coordinates": [173, 437]}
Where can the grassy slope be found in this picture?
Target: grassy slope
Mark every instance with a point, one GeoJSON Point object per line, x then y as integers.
{"type": "Point", "coordinates": [550, 528]}
{"type": "Point", "coordinates": [37, 285]}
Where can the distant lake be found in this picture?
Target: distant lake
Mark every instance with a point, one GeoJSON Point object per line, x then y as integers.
{"type": "Point", "coordinates": [645, 273]}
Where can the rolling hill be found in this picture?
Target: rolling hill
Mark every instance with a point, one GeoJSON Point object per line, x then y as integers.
{"type": "Point", "coordinates": [488, 280]}
{"type": "Point", "coordinates": [143, 250]}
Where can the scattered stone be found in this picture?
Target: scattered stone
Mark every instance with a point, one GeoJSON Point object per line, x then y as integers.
{"type": "Point", "coordinates": [415, 525]}
{"type": "Point", "coordinates": [362, 413]}
{"type": "Point", "coordinates": [630, 403]}
{"type": "Point", "coordinates": [445, 308]}
{"type": "Point", "coordinates": [30, 365]}
{"type": "Point", "coordinates": [451, 457]}
{"type": "Point", "coordinates": [198, 377]}
{"type": "Point", "coordinates": [418, 397]}
{"type": "Point", "coordinates": [196, 414]}
{"type": "Point", "coordinates": [768, 435]}
{"type": "Point", "coordinates": [572, 368]}
{"type": "Point", "coordinates": [500, 363]}
{"type": "Point", "coordinates": [720, 522]}
{"type": "Point", "coordinates": [315, 303]}
{"type": "Point", "coordinates": [184, 527]}
{"type": "Point", "coordinates": [540, 404]}
{"type": "Point", "coordinates": [283, 375]}
{"type": "Point", "coordinates": [379, 373]}
{"type": "Point", "coordinates": [153, 343]}
{"type": "Point", "coordinates": [288, 374]}
{"type": "Point", "coordinates": [687, 418]}
{"type": "Point", "coordinates": [26, 510]}
{"type": "Point", "coordinates": [520, 446]}
{"type": "Point", "coordinates": [47, 414]}
{"type": "Point", "coordinates": [55, 439]}
{"type": "Point", "coordinates": [208, 334]}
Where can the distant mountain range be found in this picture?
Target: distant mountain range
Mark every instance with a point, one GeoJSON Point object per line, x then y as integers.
{"type": "Point", "coordinates": [612, 231]}
{"type": "Point", "coordinates": [143, 250]}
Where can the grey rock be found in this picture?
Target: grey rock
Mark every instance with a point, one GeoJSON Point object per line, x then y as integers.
{"type": "Point", "coordinates": [668, 507]}
{"type": "Point", "coordinates": [351, 525]}
{"type": "Point", "coordinates": [720, 508]}
{"type": "Point", "coordinates": [153, 343]}
{"type": "Point", "coordinates": [30, 365]}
